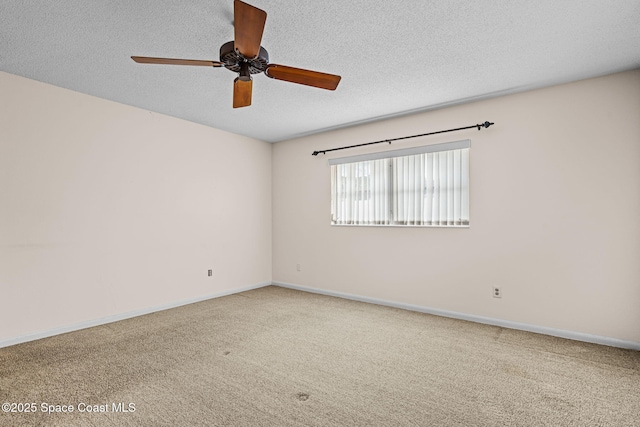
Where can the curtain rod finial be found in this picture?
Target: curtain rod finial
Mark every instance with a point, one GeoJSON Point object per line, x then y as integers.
{"type": "Point", "coordinates": [485, 125]}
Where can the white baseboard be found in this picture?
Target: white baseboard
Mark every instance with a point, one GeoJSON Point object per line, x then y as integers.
{"type": "Point", "coordinates": [577, 336]}
{"type": "Point", "coordinates": [122, 316]}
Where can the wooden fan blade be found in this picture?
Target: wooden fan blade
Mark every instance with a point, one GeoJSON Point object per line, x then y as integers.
{"type": "Point", "coordinates": [303, 77]}
{"type": "Point", "coordinates": [242, 93]}
{"type": "Point", "coordinates": [249, 24]}
{"type": "Point", "coordinates": [172, 61]}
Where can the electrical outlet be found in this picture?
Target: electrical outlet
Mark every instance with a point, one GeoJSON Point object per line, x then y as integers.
{"type": "Point", "coordinates": [497, 292]}
{"type": "Point", "coordinates": [210, 273]}
{"type": "Point", "coordinates": [298, 267]}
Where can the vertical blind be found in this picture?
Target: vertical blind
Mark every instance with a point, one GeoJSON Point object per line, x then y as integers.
{"type": "Point", "coordinates": [422, 186]}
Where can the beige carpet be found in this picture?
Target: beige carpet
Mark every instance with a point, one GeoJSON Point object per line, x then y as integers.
{"type": "Point", "coordinates": [279, 357]}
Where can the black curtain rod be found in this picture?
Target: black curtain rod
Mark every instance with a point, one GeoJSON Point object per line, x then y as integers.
{"type": "Point", "coordinates": [479, 126]}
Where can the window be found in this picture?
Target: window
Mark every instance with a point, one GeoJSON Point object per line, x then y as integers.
{"type": "Point", "coordinates": [421, 186]}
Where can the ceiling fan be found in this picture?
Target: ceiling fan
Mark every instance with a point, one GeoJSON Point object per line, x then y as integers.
{"type": "Point", "coordinates": [245, 56]}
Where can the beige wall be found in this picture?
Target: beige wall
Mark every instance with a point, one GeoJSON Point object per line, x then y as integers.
{"type": "Point", "coordinates": [108, 209]}
{"type": "Point", "coordinates": [555, 205]}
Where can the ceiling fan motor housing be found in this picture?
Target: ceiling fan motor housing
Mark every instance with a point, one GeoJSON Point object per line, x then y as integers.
{"type": "Point", "coordinates": [234, 60]}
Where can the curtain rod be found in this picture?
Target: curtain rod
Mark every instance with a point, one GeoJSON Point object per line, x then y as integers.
{"type": "Point", "coordinates": [479, 126]}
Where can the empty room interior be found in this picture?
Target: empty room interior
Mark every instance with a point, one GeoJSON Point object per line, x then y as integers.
{"type": "Point", "coordinates": [428, 216]}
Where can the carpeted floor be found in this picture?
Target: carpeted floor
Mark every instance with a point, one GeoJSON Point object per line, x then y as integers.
{"type": "Point", "coordinates": [279, 357]}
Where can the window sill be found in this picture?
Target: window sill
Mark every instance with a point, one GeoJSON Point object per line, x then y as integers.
{"type": "Point", "coordinates": [401, 226]}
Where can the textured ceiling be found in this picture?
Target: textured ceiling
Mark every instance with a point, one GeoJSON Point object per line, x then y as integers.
{"type": "Point", "coordinates": [394, 57]}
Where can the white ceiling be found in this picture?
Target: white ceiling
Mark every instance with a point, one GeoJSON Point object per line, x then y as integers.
{"type": "Point", "coordinates": [395, 57]}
